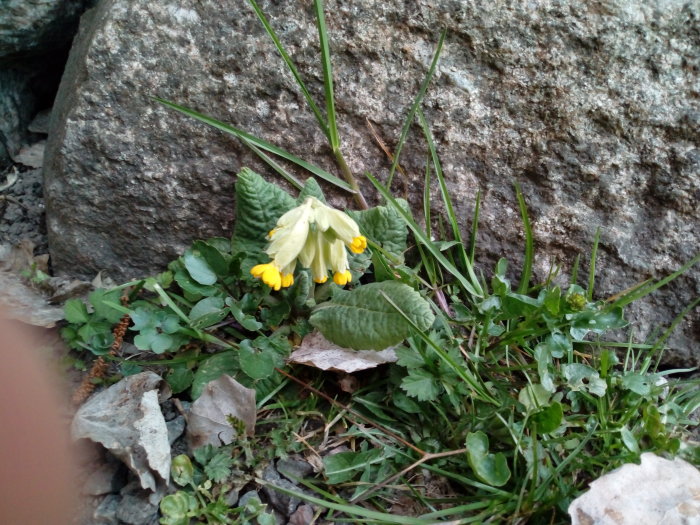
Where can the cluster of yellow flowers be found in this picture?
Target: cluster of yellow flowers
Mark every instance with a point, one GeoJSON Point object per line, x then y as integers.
{"type": "Point", "coordinates": [315, 235]}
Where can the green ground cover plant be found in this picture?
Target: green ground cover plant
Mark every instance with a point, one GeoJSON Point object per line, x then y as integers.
{"type": "Point", "coordinates": [509, 393]}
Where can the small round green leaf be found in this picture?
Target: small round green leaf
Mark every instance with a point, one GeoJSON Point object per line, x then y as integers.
{"type": "Point", "coordinates": [198, 268]}
{"type": "Point", "coordinates": [489, 468]}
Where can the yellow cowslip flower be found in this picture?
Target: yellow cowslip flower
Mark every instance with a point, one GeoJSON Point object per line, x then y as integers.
{"type": "Point", "coordinates": [315, 235]}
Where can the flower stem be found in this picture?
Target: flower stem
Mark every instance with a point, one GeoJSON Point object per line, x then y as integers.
{"type": "Point", "coordinates": [350, 179]}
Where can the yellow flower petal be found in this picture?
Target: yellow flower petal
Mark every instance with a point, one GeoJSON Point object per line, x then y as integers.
{"type": "Point", "coordinates": [342, 278]}
{"type": "Point", "coordinates": [269, 274]}
{"type": "Point", "coordinates": [287, 280]}
{"type": "Point", "coordinates": [358, 244]}
{"type": "Point", "coordinates": [321, 280]}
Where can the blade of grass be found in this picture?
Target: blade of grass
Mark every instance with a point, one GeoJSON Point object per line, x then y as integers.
{"type": "Point", "coordinates": [591, 270]}
{"type": "Point", "coordinates": [274, 165]}
{"type": "Point", "coordinates": [333, 137]}
{"type": "Point", "coordinates": [414, 107]}
{"type": "Point", "coordinates": [474, 288]}
{"type": "Point", "coordinates": [262, 144]}
{"type": "Point", "coordinates": [475, 228]}
{"type": "Point", "coordinates": [292, 68]}
{"type": "Point", "coordinates": [529, 251]}
{"type": "Point", "coordinates": [348, 509]}
{"type": "Point", "coordinates": [639, 292]}
{"type": "Point", "coordinates": [327, 76]}
{"type": "Point", "coordinates": [451, 216]}
{"type": "Point", "coordinates": [426, 200]}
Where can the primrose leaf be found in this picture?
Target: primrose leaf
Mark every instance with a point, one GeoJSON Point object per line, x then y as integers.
{"type": "Point", "coordinates": [198, 268]}
{"type": "Point", "coordinates": [258, 206]}
{"type": "Point", "coordinates": [385, 226]}
{"type": "Point", "coordinates": [420, 384]}
{"type": "Point", "coordinates": [311, 189]}
{"type": "Point", "coordinates": [363, 319]}
{"type": "Point", "coordinates": [489, 468]}
{"type": "Point", "coordinates": [75, 311]}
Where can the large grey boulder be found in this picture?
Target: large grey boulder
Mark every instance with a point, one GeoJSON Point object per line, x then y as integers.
{"type": "Point", "coordinates": [593, 107]}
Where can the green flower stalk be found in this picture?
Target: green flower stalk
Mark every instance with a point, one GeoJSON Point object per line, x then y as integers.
{"type": "Point", "coordinates": [316, 236]}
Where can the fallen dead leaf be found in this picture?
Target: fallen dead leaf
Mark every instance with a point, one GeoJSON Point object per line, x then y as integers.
{"type": "Point", "coordinates": [126, 419]}
{"type": "Point", "coordinates": [317, 351]}
{"type": "Point", "coordinates": [208, 417]}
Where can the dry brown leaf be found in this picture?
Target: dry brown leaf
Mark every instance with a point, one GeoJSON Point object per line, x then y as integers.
{"type": "Point", "coordinates": [317, 351]}
{"type": "Point", "coordinates": [208, 422]}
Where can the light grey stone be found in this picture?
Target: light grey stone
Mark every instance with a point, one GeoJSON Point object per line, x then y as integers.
{"type": "Point", "coordinates": [136, 510]}
{"type": "Point", "coordinates": [297, 468]}
{"type": "Point", "coordinates": [106, 511]}
{"type": "Point", "coordinates": [594, 108]}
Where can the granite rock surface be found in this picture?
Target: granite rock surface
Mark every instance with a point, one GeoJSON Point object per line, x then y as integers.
{"type": "Point", "coordinates": [593, 107]}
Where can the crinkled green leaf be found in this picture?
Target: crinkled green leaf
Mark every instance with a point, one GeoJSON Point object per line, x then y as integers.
{"type": "Point", "coordinates": [385, 226]}
{"type": "Point", "coordinates": [219, 467]}
{"type": "Point", "coordinates": [198, 268]}
{"type": "Point", "coordinates": [489, 468]}
{"type": "Point", "coordinates": [75, 311]}
{"type": "Point", "coordinates": [421, 384]}
{"type": "Point", "coordinates": [97, 299]}
{"type": "Point", "coordinates": [258, 206]}
{"type": "Point", "coordinates": [213, 368]}
{"type": "Point", "coordinates": [311, 189]}
{"type": "Point", "coordinates": [408, 357]}
{"type": "Point", "coordinates": [363, 319]}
